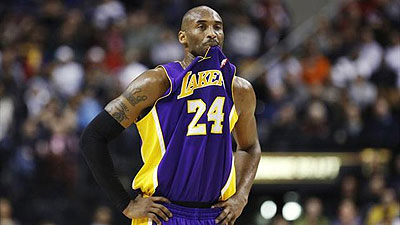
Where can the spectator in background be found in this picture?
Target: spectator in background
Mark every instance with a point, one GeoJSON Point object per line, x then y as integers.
{"type": "Point", "coordinates": [31, 46]}
{"type": "Point", "coordinates": [375, 186]}
{"type": "Point", "coordinates": [350, 16]}
{"type": "Point", "coordinates": [51, 17]}
{"type": "Point", "coordinates": [95, 70]}
{"type": "Point", "coordinates": [285, 129]}
{"type": "Point", "coordinates": [392, 55]}
{"type": "Point", "coordinates": [287, 69]}
{"type": "Point", "coordinates": [108, 12]}
{"type": "Point", "coordinates": [349, 188]}
{"type": "Point", "coordinates": [75, 32]}
{"type": "Point", "coordinates": [344, 71]}
{"type": "Point", "coordinates": [7, 107]}
{"type": "Point", "coordinates": [347, 214]}
{"type": "Point", "coordinates": [37, 95]}
{"type": "Point", "coordinates": [275, 75]}
{"type": "Point", "coordinates": [313, 213]}
{"type": "Point", "coordinates": [382, 128]}
{"type": "Point", "coordinates": [386, 212]}
{"type": "Point", "coordinates": [167, 49]}
{"type": "Point", "coordinates": [59, 151]}
{"type": "Point", "coordinates": [274, 19]}
{"type": "Point", "coordinates": [67, 76]}
{"type": "Point", "coordinates": [395, 175]}
{"type": "Point", "coordinates": [115, 47]}
{"type": "Point", "coordinates": [12, 72]}
{"type": "Point", "coordinates": [6, 212]}
{"type": "Point", "coordinates": [132, 69]}
{"type": "Point", "coordinates": [21, 169]}
{"type": "Point", "coordinates": [141, 31]}
{"type": "Point", "coordinates": [370, 54]}
{"type": "Point", "coordinates": [102, 216]}
{"type": "Point", "coordinates": [277, 97]}
{"type": "Point", "coordinates": [297, 91]}
{"type": "Point", "coordinates": [362, 92]}
{"type": "Point", "coordinates": [353, 125]}
{"type": "Point", "coordinates": [316, 66]}
{"type": "Point", "coordinates": [325, 37]}
{"type": "Point", "coordinates": [315, 130]}
{"type": "Point", "coordinates": [244, 39]}
{"type": "Point", "coordinates": [88, 108]}
{"type": "Point", "coordinates": [392, 12]}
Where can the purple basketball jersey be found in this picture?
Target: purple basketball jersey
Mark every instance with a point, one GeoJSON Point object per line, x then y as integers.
{"type": "Point", "coordinates": [187, 143]}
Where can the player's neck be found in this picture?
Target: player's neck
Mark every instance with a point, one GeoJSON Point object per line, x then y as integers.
{"type": "Point", "coordinates": [189, 57]}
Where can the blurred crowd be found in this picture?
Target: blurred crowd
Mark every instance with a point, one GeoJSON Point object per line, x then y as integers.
{"type": "Point", "coordinates": [62, 61]}
{"type": "Point", "coordinates": [376, 204]}
{"type": "Point", "coordinates": [340, 88]}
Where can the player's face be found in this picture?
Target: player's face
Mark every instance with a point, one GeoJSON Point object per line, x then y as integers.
{"type": "Point", "coordinates": [204, 30]}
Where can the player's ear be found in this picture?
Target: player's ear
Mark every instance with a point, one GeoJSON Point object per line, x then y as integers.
{"type": "Point", "coordinates": [182, 38]}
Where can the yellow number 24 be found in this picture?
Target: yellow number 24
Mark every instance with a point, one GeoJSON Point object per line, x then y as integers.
{"type": "Point", "coordinates": [215, 114]}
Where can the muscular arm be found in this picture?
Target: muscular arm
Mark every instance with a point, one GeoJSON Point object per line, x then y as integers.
{"type": "Point", "coordinates": [248, 150]}
{"type": "Point", "coordinates": [141, 94]}
{"type": "Point", "coordinates": [247, 154]}
{"type": "Point", "coordinates": [119, 114]}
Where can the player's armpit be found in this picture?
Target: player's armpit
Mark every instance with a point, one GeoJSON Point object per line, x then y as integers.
{"type": "Point", "coordinates": [141, 93]}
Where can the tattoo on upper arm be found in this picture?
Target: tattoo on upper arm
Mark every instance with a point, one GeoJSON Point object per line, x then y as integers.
{"type": "Point", "coordinates": [118, 110]}
{"type": "Point", "coordinates": [129, 94]}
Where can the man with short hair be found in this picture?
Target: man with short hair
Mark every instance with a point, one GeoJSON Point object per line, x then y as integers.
{"type": "Point", "coordinates": [185, 112]}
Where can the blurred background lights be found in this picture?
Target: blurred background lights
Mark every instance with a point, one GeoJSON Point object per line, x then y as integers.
{"type": "Point", "coordinates": [268, 210]}
{"type": "Point", "coordinates": [291, 211]}
{"type": "Point", "coordinates": [96, 54]}
{"type": "Point", "coordinates": [64, 53]}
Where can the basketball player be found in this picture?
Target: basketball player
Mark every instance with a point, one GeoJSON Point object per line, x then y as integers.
{"type": "Point", "coordinates": [185, 112]}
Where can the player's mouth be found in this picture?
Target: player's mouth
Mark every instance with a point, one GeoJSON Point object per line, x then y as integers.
{"type": "Point", "coordinates": [212, 43]}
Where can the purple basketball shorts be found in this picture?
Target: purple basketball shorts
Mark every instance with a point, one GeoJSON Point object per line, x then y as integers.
{"type": "Point", "coordinates": [191, 216]}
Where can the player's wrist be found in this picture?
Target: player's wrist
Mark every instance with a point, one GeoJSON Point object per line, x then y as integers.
{"type": "Point", "coordinates": [241, 198]}
{"type": "Point", "coordinates": [126, 202]}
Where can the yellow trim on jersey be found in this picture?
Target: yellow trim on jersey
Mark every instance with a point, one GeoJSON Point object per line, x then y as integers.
{"type": "Point", "coordinates": [152, 150]}
{"type": "Point", "coordinates": [233, 117]}
{"type": "Point", "coordinates": [205, 55]}
{"type": "Point", "coordinates": [230, 187]}
{"type": "Point", "coordinates": [142, 221]}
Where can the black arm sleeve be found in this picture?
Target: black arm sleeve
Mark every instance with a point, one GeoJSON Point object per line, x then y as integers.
{"type": "Point", "coordinates": [93, 143]}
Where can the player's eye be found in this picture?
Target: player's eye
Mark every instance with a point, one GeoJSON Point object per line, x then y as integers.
{"type": "Point", "coordinates": [201, 26]}
{"type": "Point", "coordinates": [218, 27]}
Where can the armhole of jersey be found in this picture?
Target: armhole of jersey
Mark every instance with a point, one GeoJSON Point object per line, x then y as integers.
{"type": "Point", "coordinates": [163, 96]}
{"type": "Point", "coordinates": [233, 81]}
{"type": "Point", "coordinates": [233, 115]}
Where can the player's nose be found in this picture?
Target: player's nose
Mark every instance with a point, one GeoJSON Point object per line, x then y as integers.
{"type": "Point", "coordinates": [211, 33]}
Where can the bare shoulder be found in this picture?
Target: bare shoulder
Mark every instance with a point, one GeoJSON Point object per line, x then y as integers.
{"type": "Point", "coordinates": [243, 95]}
{"type": "Point", "coordinates": [140, 94]}
{"type": "Point", "coordinates": [156, 76]}
{"type": "Point", "coordinates": [152, 84]}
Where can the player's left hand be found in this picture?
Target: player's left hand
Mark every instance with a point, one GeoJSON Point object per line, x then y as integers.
{"type": "Point", "coordinates": [232, 208]}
